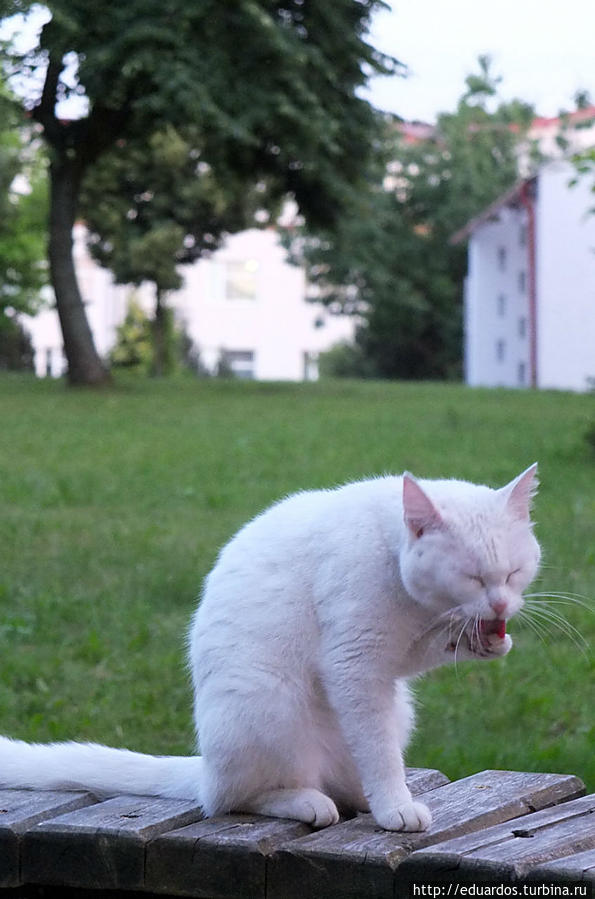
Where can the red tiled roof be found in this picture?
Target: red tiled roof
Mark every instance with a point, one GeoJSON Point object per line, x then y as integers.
{"type": "Point", "coordinates": [416, 132]}
{"type": "Point", "coordinates": [578, 115]}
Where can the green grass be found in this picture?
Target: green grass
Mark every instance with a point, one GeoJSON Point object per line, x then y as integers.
{"type": "Point", "coordinates": [115, 503]}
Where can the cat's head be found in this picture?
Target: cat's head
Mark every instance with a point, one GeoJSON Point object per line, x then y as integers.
{"type": "Point", "coordinates": [470, 551]}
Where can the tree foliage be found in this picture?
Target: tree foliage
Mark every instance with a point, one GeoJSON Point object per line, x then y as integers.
{"type": "Point", "coordinates": [154, 205]}
{"type": "Point", "coordinates": [391, 260]}
{"type": "Point", "coordinates": [23, 271]}
{"type": "Point", "coordinates": [272, 89]}
{"type": "Point", "coordinates": [23, 207]}
{"type": "Point", "coordinates": [133, 339]}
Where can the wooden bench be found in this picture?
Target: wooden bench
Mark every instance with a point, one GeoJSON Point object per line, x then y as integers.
{"type": "Point", "coordinates": [498, 828]}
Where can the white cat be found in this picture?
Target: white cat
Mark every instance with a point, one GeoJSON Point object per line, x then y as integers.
{"type": "Point", "coordinates": [313, 619]}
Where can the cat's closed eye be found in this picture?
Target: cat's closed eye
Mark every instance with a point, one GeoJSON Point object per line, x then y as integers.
{"type": "Point", "coordinates": [476, 578]}
{"type": "Point", "coordinates": [512, 574]}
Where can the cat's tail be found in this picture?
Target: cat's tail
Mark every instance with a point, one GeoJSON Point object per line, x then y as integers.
{"type": "Point", "coordinates": [99, 769]}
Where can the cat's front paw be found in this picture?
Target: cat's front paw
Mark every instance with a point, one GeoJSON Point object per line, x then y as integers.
{"type": "Point", "coordinates": [498, 646]}
{"type": "Point", "coordinates": [483, 642]}
{"type": "Point", "coordinates": [407, 816]}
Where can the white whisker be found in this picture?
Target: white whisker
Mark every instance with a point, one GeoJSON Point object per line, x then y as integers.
{"type": "Point", "coordinates": [538, 630]}
{"type": "Point", "coordinates": [448, 614]}
{"type": "Point", "coordinates": [476, 634]}
{"type": "Point", "coordinates": [440, 635]}
{"type": "Point", "coordinates": [550, 605]}
{"type": "Point", "coordinates": [462, 631]}
{"type": "Point", "coordinates": [557, 620]}
{"type": "Point", "coordinates": [561, 598]}
{"type": "Point", "coordinates": [555, 617]}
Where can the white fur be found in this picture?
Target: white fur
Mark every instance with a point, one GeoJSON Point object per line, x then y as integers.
{"type": "Point", "coordinates": [312, 620]}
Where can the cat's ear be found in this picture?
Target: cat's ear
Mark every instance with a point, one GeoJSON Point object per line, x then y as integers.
{"type": "Point", "coordinates": [419, 511]}
{"type": "Point", "coordinates": [520, 492]}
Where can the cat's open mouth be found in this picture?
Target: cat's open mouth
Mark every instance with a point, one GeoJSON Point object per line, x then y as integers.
{"type": "Point", "coordinates": [482, 635]}
{"type": "Point", "coordinates": [488, 628]}
{"type": "Point", "coordinates": [494, 626]}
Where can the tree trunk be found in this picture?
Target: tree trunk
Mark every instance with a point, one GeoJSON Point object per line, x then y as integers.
{"type": "Point", "coordinates": [160, 337]}
{"type": "Point", "coordinates": [84, 365]}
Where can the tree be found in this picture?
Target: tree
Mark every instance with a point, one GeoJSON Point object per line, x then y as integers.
{"type": "Point", "coordinates": [133, 339]}
{"type": "Point", "coordinates": [391, 260]}
{"type": "Point", "coordinates": [473, 157]}
{"type": "Point", "coordinates": [154, 205]}
{"type": "Point", "coordinates": [272, 88]}
{"type": "Point", "coordinates": [384, 265]}
{"type": "Point", "coordinates": [23, 271]}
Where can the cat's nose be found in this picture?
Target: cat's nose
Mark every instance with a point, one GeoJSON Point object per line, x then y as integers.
{"type": "Point", "coordinates": [499, 605]}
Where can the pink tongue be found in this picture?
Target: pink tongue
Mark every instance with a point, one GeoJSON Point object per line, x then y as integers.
{"type": "Point", "coordinates": [497, 626]}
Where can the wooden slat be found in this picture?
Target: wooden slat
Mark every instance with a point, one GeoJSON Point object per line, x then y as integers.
{"type": "Point", "coordinates": [420, 780]}
{"type": "Point", "coordinates": [357, 858]}
{"type": "Point", "coordinates": [226, 857]}
{"type": "Point", "coordinates": [571, 869]}
{"type": "Point", "coordinates": [507, 852]}
{"type": "Point", "coordinates": [101, 847]}
{"type": "Point", "coordinates": [218, 857]}
{"type": "Point", "coordinates": [19, 811]}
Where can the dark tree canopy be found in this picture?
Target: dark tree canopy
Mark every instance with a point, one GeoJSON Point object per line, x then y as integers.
{"type": "Point", "coordinates": [391, 259]}
{"type": "Point", "coordinates": [154, 204]}
{"type": "Point", "coordinates": [271, 87]}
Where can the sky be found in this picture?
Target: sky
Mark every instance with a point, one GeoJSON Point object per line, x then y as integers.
{"type": "Point", "coordinates": [544, 49]}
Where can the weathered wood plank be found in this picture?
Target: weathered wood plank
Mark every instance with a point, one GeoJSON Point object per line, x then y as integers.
{"type": "Point", "coordinates": [227, 856]}
{"type": "Point", "coordinates": [357, 858]}
{"type": "Point", "coordinates": [103, 846]}
{"type": "Point", "coordinates": [507, 852]}
{"type": "Point", "coordinates": [19, 811]}
{"type": "Point", "coordinates": [218, 858]}
{"type": "Point", "coordinates": [421, 780]}
{"type": "Point", "coordinates": [570, 869]}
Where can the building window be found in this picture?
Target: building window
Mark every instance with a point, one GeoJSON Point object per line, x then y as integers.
{"type": "Point", "coordinates": [500, 350]}
{"type": "Point", "coordinates": [522, 282]}
{"type": "Point", "coordinates": [522, 374]}
{"type": "Point", "coordinates": [501, 305]}
{"type": "Point", "coordinates": [523, 236]}
{"type": "Point", "coordinates": [241, 280]}
{"type": "Point", "coordinates": [522, 327]}
{"type": "Point", "coordinates": [502, 258]}
{"type": "Point", "coordinates": [240, 363]}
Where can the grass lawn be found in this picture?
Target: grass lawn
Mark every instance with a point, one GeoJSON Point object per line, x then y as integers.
{"type": "Point", "coordinates": [115, 503]}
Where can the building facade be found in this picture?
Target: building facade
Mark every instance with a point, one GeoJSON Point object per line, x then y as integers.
{"type": "Point", "coordinates": [530, 288]}
{"type": "Point", "coordinates": [244, 306]}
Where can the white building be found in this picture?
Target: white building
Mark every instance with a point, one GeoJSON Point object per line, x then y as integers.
{"type": "Point", "coordinates": [530, 288]}
{"type": "Point", "coordinates": [245, 304]}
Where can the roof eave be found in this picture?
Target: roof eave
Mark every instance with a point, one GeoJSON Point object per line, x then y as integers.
{"type": "Point", "coordinates": [511, 197]}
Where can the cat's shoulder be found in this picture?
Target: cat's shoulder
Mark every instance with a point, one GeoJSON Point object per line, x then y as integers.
{"type": "Point", "coordinates": [340, 500]}
{"type": "Point", "coordinates": [355, 493]}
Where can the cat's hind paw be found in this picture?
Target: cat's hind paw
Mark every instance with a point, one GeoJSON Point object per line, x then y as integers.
{"type": "Point", "coordinates": [410, 816]}
{"type": "Point", "coordinates": [315, 808]}
{"type": "Point", "coordinates": [303, 804]}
